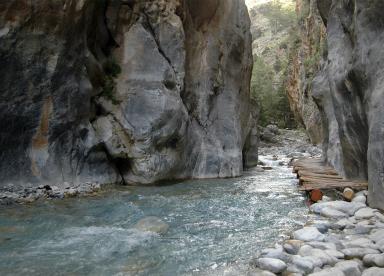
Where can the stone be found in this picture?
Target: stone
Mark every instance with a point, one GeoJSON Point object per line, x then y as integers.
{"type": "Point", "coordinates": [152, 224]}
{"type": "Point", "coordinates": [358, 252]}
{"type": "Point", "coordinates": [322, 245]}
{"type": "Point", "coordinates": [358, 242]}
{"type": "Point", "coordinates": [328, 272]}
{"type": "Point", "coordinates": [292, 246]}
{"type": "Point", "coordinates": [272, 265]}
{"type": "Point", "coordinates": [345, 207]}
{"type": "Point", "coordinates": [305, 250]}
{"type": "Point", "coordinates": [332, 213]}
{"type": "Point", "coordinates": [350, 268]}
{"type": "Point", "coordinates": [377, 235]}
{"type": "Point", "coordinates": [323, 256]}
{"type": "Point", "coordinates": [335, 253]}
{"type": "Point", "coordinates": [365, 213]}
{"type": "Point", "coordinates": [308, 234]}
{"type": "Point", "coordinates": [276, 253]}
{"type": "Point", "coordinates": [303, 264]}
{"type": "Point", "coordinates": [360, 199]}
{"type": "Point", "coordinates": [373, 271]}
{"type": "Point", "coordinates": [374, 260]}
{"type": "Point", "coordinates": [260, 272]}
{"type": "Point", "coordinates": [316, 195]}
{"type": "Point", "coordinates": [379, 216]}
{"type": "Point", "coordinates": [348, 194]}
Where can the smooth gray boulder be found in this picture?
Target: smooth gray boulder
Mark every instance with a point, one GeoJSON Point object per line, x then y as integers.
{"type": "Point", "coordinates": [328, 272]}
{"type": "Point", "coordinates": [350, 268]}
{"type": "Point", "coordinates": [365, 213]}
{"type": "Point", "coordinates": [349, 208]}
{"type": "Point", "coordinates": [373, 271]}
{"type": "Point", "coordinates": [358, 252]}
{"type": "Point", "coordinates": [304, 264]}
{"type": "Point", "coordinates": [308, 234]}
{"type": "Point", "coordinates": [374, 260]}
{"type": "Point", "coordinates": [272, 265]}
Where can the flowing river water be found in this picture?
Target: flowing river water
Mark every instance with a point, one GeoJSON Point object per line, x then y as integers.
{"type": "Point", "coordinates": [213, 225]}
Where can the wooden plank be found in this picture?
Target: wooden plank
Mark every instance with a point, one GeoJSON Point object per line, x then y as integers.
{"type": "Point", "coordinates": [310, 187]}
{"type": "Point", "coordinates": [313, 174]}
{"type": "Point", "coordinates": [318, 174]}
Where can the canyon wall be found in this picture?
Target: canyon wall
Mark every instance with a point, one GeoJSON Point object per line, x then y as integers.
{"type": "Point", "coordinates": [348, 88]}
{"type": "Point", "coordinates": [124, 91]}
{"type": "Point", "coordinates": [306, 51]}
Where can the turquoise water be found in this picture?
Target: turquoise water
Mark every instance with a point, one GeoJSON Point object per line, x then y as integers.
{"type": "Point", "coordinates": [214, 225]}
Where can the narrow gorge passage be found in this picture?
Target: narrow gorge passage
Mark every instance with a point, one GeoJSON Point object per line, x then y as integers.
{"type": "Point", "coordinates": [214, 226]}
{"type": "Point", "coordinates": [157, 137]}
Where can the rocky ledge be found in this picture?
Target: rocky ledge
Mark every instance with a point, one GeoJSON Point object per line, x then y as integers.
{"type": "Point", "coordinates": [341, 238]}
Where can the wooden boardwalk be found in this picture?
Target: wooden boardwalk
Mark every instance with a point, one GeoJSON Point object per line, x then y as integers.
{"type": "Point", "coordinates": [314, 175]}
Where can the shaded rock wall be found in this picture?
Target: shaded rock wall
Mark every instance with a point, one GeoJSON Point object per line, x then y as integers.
{"type": "Point", "coordinates": [304, 59]}
{"type": "Point", "coordinates": [349, 88]}
{"type": "Point", "coordinates": [123, 91]}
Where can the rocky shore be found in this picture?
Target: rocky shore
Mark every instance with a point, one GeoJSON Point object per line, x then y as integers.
{"type": "Point", "coordinates": [11, 193]}
{"type": "Point", "coordinates": [341, 238]}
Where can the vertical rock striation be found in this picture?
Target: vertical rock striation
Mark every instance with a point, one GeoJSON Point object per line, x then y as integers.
{"type": "Point", "coordinates": [349, 88]}
{"type": "Point", "coordinates": [123, 90]}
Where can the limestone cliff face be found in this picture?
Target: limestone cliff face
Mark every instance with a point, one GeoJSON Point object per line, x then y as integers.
{"type": "Point", "coordinates": [349, 90]}
{"type": "Point", "coordinates": [123, 90]}
{"type": "Point", "coordinates": [304, 59]}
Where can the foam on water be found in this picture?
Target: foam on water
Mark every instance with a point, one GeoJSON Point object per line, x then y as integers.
{"type": "Point", "coordinates": [216, 226]}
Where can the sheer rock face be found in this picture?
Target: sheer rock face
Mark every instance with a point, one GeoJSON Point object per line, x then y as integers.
{"type": "Point", "coordinates": [305, 62]}
{"type": "Point", "coordinates": [349, 91]}
{"type": "Point", "coordinates": [132, 91]}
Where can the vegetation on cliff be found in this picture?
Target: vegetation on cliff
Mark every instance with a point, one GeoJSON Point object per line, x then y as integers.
{"type": "Point", "coordinates": [272, 39]}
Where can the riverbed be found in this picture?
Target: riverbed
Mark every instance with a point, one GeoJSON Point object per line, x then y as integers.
{"type": "Point", "coordinates": [213, 225]}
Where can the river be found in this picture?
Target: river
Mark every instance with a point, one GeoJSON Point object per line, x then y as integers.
{"type": "Point", "coordinates": [213, 225]}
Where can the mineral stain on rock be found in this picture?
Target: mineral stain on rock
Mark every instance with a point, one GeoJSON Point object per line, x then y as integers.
{"type": "Point", "coordinates": [39, 151]}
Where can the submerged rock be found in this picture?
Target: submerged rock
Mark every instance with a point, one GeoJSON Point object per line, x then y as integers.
{"type": "Point", "coordinates": [152, 224]}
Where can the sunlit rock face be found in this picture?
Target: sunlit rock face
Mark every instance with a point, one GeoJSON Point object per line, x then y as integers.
{"type": "Point", "coordinates": [123, 91]}
{"type": "Point", "coordinates": [349, 90]}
